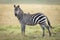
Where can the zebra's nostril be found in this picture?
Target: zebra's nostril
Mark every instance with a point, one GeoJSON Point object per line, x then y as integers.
{"type": "Point", "coordinates": [15, 14]}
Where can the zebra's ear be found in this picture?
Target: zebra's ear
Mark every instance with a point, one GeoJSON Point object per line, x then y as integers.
{"type": "Point", "coordinates": [18, 6]}
{"type": "Point", "coordinates": [14, 5]}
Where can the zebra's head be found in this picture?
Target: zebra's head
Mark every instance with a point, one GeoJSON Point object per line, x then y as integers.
{"type": "Point", "coordinates": [17, 10]}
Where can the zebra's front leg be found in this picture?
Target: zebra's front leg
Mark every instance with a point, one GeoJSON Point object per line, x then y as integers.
{"type": "Point", "coordinates": [23, 29]}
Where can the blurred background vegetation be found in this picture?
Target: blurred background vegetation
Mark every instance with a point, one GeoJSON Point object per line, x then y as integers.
{"type": "Point", "coordinates": [30, 1]}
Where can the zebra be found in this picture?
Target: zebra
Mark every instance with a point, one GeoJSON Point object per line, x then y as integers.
{"type": "Point", "coordinates": [32, 19]}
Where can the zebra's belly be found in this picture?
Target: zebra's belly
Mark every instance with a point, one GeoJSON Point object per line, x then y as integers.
{"type": "Point", "coordinates": [30, 23]}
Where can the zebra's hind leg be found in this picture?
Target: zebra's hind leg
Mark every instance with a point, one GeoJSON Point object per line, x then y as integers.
{"type": "Point", "coordinates": [42, 26]}
{"type": "Point", "coordinates": [48, 28]}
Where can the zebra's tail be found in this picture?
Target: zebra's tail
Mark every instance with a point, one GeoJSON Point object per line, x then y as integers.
{"type": "Point", "coordinates": [49, 23]}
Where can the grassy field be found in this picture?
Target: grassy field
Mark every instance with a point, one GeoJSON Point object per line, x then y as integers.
{"type": "Point", "coordinates": [10, 28]}
{"type": "Point", "coordinates": [14, 33]}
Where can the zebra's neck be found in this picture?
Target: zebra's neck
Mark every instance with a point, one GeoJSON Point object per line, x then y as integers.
{"type": "Point", "coordinates": [21, 11]}
{"type": "Point", "coordinates": [20, 16]}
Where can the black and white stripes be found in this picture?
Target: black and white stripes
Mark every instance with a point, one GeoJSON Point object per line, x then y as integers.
{"type": "Point", "coordinates": [39, 18]}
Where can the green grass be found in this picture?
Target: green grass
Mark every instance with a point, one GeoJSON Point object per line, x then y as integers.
{"type": "Point", "coordinates": [32, 33]}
